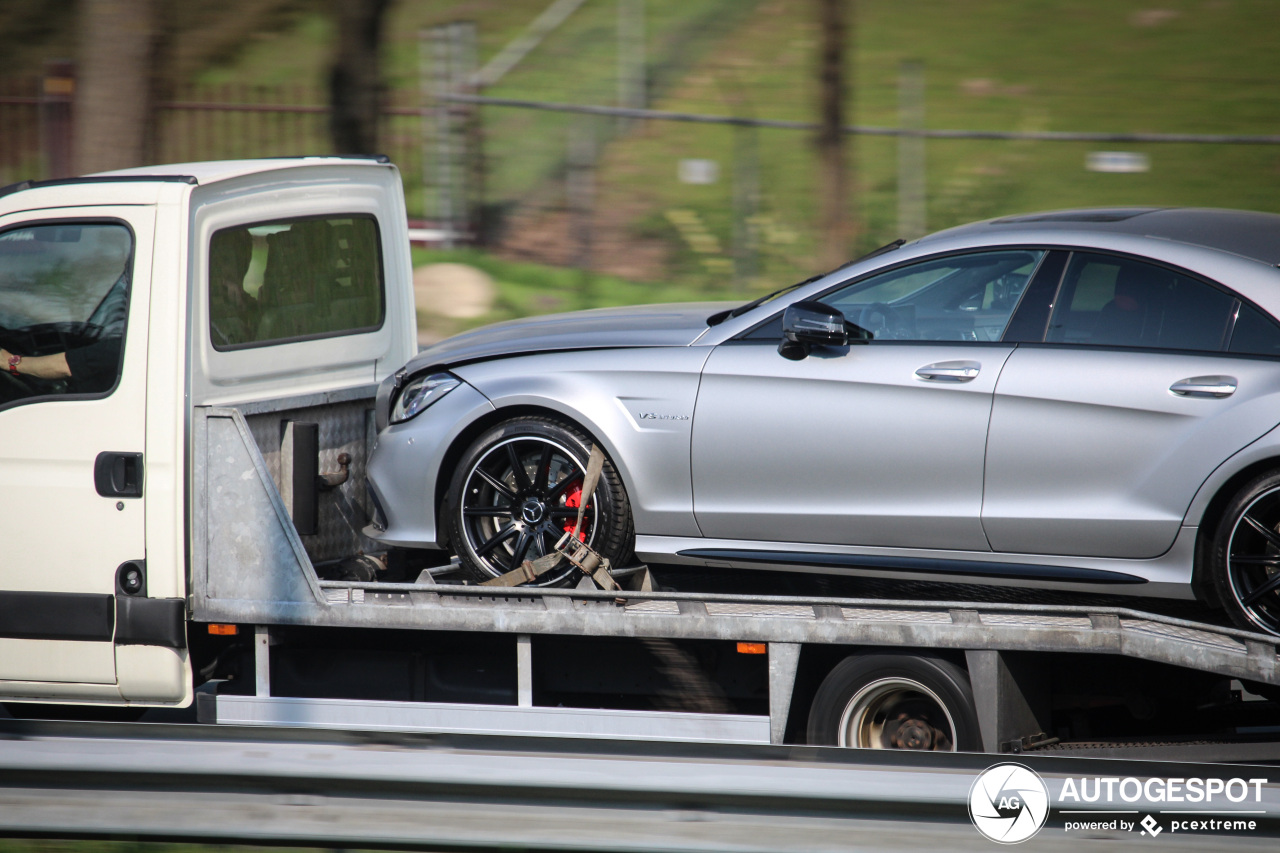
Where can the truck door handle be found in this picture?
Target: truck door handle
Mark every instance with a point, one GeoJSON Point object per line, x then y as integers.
{"type": "Point", "coordinates": [1205, 386]}
{"type": "Point", "coordinates": [950, 371]}
{"type": "Point", "coordinates": [118, 475]}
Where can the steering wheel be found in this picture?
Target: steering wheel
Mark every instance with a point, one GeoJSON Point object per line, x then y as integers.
{"type": "Point", "coordinates": [883, 321]}
{"type": "Point", "coordinates": [13, 388]}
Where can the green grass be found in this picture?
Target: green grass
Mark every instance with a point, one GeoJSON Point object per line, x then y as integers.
{"type": "Point", "coordinates": [527, 289]}
{"type": "Point", "coordinates": [1042, 65]}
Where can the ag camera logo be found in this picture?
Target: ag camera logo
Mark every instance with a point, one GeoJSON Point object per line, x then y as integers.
{"type": "Point", "coordinates": [1008, 803]}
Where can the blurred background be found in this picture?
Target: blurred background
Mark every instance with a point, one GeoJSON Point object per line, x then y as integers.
{"type": "Point", "coordinates": [560, 154]}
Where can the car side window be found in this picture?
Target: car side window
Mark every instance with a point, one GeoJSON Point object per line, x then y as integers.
{"type": "Point", "coordinates": [1112, 301]}
{"type": "Point", "coordinates": [64, 299]}
{"type": "Point", "coordinates": [1254, 334]}
{"type": "Point", "coordinates": [294, 280]}
{"type": "Point", "coordinates": [967, 297]}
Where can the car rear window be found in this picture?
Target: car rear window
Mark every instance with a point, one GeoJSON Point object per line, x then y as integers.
{"type": "Point", "coordinates": [1113, 301]}
{"type": "Point", "coordinates": [1255, 334]}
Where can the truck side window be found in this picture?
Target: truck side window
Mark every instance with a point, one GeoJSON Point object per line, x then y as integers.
{"type": "Point", "coordinates": [64, 299]}
{"type": "Point", "coordinates": [294, 279]}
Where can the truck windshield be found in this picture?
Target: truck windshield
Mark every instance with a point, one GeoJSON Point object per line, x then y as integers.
{"type": "Point", "coordinates": [290, 280]}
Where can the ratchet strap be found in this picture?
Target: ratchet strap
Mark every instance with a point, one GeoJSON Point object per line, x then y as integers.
{"type": "Point", "coordinates": [590, 562]}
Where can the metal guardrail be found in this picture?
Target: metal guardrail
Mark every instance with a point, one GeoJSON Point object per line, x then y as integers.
{"type": "Point", "coordinates": [205, 784]}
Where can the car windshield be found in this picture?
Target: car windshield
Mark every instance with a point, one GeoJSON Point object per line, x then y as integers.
{"type": "Point", "coordinates": [721, 316]}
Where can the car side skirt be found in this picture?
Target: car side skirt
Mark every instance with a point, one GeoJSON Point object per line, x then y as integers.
{"type": "Point", "coordinates": [917, 565]}
{"type": "Point", "coordinates": [1166, 576]}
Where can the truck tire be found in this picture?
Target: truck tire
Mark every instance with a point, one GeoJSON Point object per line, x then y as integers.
{"type": "Point", "coordinates": [1245, 555]}
{"type": "Point", "coordinates": [516, 491]}
{"type": "Point", "coordinates": [895, 700]}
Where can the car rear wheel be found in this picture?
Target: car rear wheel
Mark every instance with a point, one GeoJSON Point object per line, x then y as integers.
{"type": "Point", "coordinates": [1246, 556]}
{"type": "Point", "coordinates": [896, 701]}
{"type": "Point", "coordinates": [517, 491]}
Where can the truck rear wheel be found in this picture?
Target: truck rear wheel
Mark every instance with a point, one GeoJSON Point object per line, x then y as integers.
{"type": "Point", "coordinates": [894, 700]}
{"type": "Point", "coordinates": [517, 491]}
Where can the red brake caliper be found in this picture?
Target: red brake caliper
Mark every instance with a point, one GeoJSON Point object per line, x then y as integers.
{"type": "Point", "coordinates": [572, 500]}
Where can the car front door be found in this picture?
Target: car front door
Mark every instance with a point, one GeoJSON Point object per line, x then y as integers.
{"type": "Point", "coordinates": [876, 444]}
{"type": "Point", "coordinates": [74, 285]}
{"type": "Point", "coordinates": [1101, 435]}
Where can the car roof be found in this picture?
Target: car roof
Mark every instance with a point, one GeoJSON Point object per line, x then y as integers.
{"type": "Point", "coordinates": [1246, 233]}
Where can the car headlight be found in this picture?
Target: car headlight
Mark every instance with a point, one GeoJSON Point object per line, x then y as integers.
{"type": "Point", "coordinates": [421, 392]}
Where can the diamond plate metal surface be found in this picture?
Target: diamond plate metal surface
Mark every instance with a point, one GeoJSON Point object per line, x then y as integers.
{"type": "Point", "coordinates": [788, 611]}
{"type": "Point", "coordinates": [863, 614]}
{"type": "Point", "coordinates": [662, 607]}
{"type": "Point", "coordinates": [1033, 620]}
{"type": "Point", "coordinates": [344, 428]}
{"type": "Point", "coordinates": [1206, 638]}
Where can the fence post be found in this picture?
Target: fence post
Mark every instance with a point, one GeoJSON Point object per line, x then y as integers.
{"type": "Point", "coordinates": [57, 92]}
{"type": "Point", "coordinates": [580, 190]}
{"type": "Point", "coordinates": [446, 186]}
{"type": "Point", "coordinates": [457, 171]}
{"type": "Point", "coordinates": [631, 58]}
{"type": "Point", "coordinates": [426, 112]}
{"type": "Point", "coordinates": [471, 132]}
{"type": "Point", "coordinates": [746, 197]}
{"type": "Point", "coordinates": [911, 162]}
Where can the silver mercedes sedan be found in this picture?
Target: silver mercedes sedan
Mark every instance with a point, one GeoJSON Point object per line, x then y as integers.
{"type": "Point", "coordinates": [1083, 400]}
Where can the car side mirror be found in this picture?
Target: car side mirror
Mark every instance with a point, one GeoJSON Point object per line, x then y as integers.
{"type": "Point", "coordinates": [808, 324]}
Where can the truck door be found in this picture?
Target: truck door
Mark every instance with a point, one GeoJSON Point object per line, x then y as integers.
{"type": "Point", "coordinates": [74, 288]}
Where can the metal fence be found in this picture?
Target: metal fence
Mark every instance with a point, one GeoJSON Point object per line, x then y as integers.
{"type": "Point", "coordinates": [594, 185]}
{"type": "Point", "coordinates": [216, 122]}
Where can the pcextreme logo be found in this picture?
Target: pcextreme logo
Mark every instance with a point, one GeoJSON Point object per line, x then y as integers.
{"type": "Point", "coordinates": [1008, 803]}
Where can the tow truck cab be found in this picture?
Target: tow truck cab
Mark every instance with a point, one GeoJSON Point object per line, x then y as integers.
{"type": "Point", "coordinates": [130, 303]}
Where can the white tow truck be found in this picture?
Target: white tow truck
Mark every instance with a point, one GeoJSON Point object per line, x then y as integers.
{"type": "Point", "coordinates": [191, 355]}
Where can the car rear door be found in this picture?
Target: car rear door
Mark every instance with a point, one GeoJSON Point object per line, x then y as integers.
{"type": "Point", "coordinates": [877, 444]}
{"type": "Point", "coordinates": [1101, 435]}
{"type": "Point", "coordinates": [75, 284]}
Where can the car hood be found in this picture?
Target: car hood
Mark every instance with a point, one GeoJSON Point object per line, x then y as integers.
{"type": "Point", "coordinates": [674, 325]}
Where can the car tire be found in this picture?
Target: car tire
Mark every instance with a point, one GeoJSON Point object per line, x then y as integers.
{"type": "Point", "coordinates": [501, 513]}
{"type": "Point", "coordinates": [892, 700]}
{"type": "Point", "coordinates": [1245, 556]}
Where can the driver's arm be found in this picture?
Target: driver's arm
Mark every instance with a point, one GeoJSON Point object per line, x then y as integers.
{"type": "Point", "coordinates": [40, 366]}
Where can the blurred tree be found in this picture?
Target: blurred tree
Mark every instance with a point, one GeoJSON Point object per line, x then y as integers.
{"type": "Point", "coordinates": [836, 226]}
{"type": "Point", "coordinates": [355, 86]}
{"type": "Point", "coordinates": [130, 56]}
{"type": "Point", "coordinates": [32, 31]}
{"type": "Point", "coordinates": [115, 94]}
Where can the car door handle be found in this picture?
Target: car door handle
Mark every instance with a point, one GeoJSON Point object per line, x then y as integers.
{"type": "Point", "coordinates": [950, 371]}
{"type": "Point", "coordinates": [1205, 386]}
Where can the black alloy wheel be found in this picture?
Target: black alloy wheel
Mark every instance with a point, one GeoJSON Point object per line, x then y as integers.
{"type": "Point", "coordinates": [1246, 556]}
{"type": "Point", "coordinates": [517, 492]}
